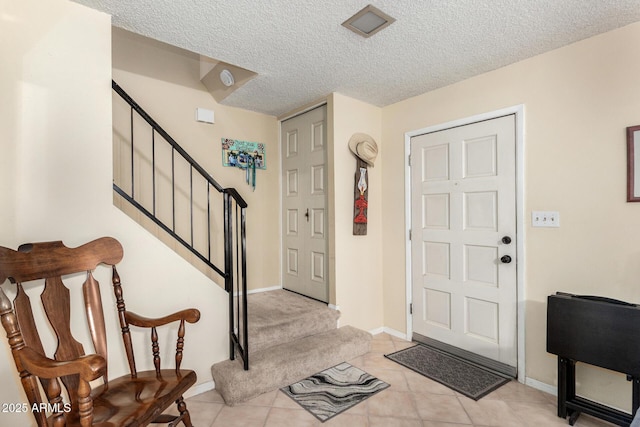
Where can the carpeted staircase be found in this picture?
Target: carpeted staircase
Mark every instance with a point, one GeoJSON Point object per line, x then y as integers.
{"type": "Point", "coordinates": [290, 338]}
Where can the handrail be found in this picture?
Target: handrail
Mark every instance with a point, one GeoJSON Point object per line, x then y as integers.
{"type": "Point", "coordinates": [234, 212]}
{"type": "Point", "coordinates": [234, 193]}
{"type": "Point", "coordinates": [165, 135]}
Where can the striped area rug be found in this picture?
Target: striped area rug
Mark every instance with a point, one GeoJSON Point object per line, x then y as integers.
{"type": "Point", "coordinates": [334, 390]}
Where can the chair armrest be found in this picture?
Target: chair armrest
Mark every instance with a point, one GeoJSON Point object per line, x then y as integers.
{"type": "Point", "coordinates": [190, 315]}
{"type": "Point", "coordinates": [89, 367]}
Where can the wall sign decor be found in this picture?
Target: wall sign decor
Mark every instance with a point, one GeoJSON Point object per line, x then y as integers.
{"type": "Point", "coordinates": [633, 164]}
{"type": "Point", "coordinates": [244, 155]}
{"type": "Point", "coordinates": [361, 196]}
{"type": "Point", "coordinates": [365, 149]}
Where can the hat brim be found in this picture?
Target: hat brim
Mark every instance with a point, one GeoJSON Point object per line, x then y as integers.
{"type": "Point", "coordinates": [359, 138]}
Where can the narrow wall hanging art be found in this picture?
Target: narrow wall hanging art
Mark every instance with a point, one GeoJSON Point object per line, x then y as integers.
{"type": "Point", "coordinates": [365, 149]}
{"type": "Point", "coordinates": [244, 155]}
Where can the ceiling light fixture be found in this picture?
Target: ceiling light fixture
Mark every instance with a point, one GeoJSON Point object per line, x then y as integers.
{"type": "Point", "coordinates": [368, 21]}
{"type": "Point", "coordinates": [227, 78]}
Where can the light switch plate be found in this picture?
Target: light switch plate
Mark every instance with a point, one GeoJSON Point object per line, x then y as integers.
{"type": "Point", "coordinates": [545, 219]}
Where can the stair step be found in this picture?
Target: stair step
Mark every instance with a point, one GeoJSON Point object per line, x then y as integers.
{"type": "Point", "coordinates": [280, 316]}
{"type": "Point", "coordinates": [284, 364]}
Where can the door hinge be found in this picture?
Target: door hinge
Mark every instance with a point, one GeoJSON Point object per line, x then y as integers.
{"type": "Point", "coordinates": [409, 159]}
{"type": "Point", "coordinates": [410, 308]}
{"type": "Point", "coordinates": [409, 234]}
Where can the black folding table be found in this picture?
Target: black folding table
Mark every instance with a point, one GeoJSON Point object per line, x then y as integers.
{"type": "Point", "coordinates": [598, 331]}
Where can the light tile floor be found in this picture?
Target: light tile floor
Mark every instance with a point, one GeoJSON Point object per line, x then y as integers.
{"type": "Point", "coordinates": [412, 400]}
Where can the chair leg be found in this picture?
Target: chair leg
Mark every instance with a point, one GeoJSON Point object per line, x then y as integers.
{"type": "Point", "coordinates": [184, 412]}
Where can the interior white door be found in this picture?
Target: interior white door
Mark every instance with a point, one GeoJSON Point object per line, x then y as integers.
{"type": "Point", "coordinates": [463, 216]}
{"type": "Point", "coordinates": [304, 200]}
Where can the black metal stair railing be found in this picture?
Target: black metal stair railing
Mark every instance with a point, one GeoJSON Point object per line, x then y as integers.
{"type": "Point", "coordinates": [230, 204]}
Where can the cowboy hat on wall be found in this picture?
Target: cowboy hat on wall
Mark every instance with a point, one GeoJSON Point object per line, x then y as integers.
{"type": "Point", "coordinates": [366, 150]}
{"type": "Point", "coordinates": [364, 147]}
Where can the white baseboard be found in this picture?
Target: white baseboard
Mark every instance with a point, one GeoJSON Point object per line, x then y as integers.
{"type": "Point", "coordinates": [553, 390]}
{"type": "Point", "coordinates": [396, 334]}
{"type": "Point", "coordinates": [539, 385]}
{"type": "Point", "coordinates": [199, 389]}
{"type": "Point", "coordinates": [255, 291]}
{"type": "Point", "coordinates": [390, 331]}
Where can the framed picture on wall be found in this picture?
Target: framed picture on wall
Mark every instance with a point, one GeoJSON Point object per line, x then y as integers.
{"type": "Point", "coordinates": [633, 164]}
{"type": "Point", "coordinates": [241, 153]}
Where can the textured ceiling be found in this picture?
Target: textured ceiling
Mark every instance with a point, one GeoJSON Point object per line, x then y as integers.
{"type": "Point", "coordinates": [302, 53]}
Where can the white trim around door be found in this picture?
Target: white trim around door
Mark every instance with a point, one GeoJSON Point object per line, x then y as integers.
{"type": "Point", "coordinates": [518, 111]}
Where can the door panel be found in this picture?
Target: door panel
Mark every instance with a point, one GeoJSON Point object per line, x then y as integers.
{"type": "Point", "coordinates": [304, 196]}
{"type": "Point", "coordinates": [463, 202]}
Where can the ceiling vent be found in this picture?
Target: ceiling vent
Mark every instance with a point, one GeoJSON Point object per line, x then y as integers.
{"type": "Point", "coordinates": [368, 21]}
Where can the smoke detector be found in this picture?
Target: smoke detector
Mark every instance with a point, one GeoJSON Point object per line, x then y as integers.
{"type": "Point", "coordinates": [227, 78]}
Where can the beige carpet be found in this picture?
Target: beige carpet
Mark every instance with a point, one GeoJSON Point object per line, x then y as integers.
{"type": "Point", "coordinates": [292, 345]}
{"type": "Point", "coordinates": [280, 316]}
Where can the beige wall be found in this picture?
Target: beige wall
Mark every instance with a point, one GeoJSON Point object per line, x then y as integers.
{"type": "Point", "coordinates": [578, 101]}
{"type": "Point", "coordinates": [57, 72]}
{"type": "Point", "coordinates": [56, 172]}
{"type": "Point", "coordinates": [356, 261]}
{"type": "Point", "coordinates": [9, 112]}
{"type": "Point", "coordinates": [165, 82]}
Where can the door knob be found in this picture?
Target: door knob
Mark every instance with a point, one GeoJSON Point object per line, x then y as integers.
{"type": "Point", "coordinates": [506, 259]}
{"type": "Point", "coordinates": [506, 240]}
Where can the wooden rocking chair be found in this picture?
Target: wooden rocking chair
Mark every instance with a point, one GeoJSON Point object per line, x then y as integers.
{"type": "Point", "coordinates": [133, 400]}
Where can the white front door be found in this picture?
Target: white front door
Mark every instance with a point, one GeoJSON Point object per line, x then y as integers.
{"type": "Point", "coordinates": [463, 216]}
{"type": "Point", "coordinates": [304, 199]}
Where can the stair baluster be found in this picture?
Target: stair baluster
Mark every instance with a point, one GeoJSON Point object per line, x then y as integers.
{"type": "Point", "coordinates": [234, 216]}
